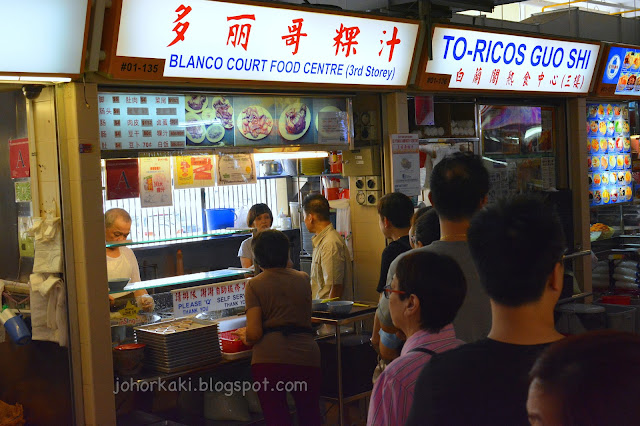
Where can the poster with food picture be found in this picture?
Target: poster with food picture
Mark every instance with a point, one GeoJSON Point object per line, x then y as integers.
{"type": "Point", "coordinates": [332, 122]}
{"type": "Point", "coordinates": [141, 121]}
{"type": "Point", "coordinates": [193, 171]}
{"type": "Point", "coordinates": [235, 169]}
{"type": "Point", "coordinates": [609, 153]}
{"type": "Point", "coordinates": [209, 121]}
{"type": "Point", "coordinates": [295, 116]}
{"type": "Point", "coordinates": [155, 182]}
{"type": "Point", "coordinates": [255, 121]}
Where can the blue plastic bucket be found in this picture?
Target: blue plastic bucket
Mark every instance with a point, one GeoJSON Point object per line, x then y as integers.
{"type": "Point", "coordinates": [219, 219]}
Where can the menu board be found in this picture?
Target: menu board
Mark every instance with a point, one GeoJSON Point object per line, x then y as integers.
{"type": "Point", "coordinates": [153, 121]}
{"type": "Point", "coordinates": [609, 153]}
{"type": "Point", "coordinates": [621, 75]}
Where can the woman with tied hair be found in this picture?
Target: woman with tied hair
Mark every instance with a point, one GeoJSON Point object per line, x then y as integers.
{"type": "Point", "coordinates": [587, 379]}
{"type": "Point", "coordinates": [261, 218]}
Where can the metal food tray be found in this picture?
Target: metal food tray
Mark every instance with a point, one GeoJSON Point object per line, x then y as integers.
{"type": "Point", "coordinates": [171, 357]}
{"type": "Point", "coordinates": [180, 348]}
{"type": "Point", "coordinates": [190, 339]}
{"type": "Point", "coordinates": [184, 367]}
{"type": "Point", "coordinates": [201, 325]}
{"type": "Point", "coordinates": [183, 361]}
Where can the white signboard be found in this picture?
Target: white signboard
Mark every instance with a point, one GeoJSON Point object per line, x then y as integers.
{"type": "Point", "coordinates": [496, 61]}
{"type": "Point", "coordinates": [232, 41]}
{"type": "Point", "coordinates": [141, 121]}
{"type": "Point", "coordinates": [406, 164]}
{"type": "Point", "coordinates": [209, 298]}
{"type": "Point", "coordinates": [42, 36]}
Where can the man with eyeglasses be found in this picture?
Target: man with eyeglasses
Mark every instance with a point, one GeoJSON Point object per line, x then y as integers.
{"type": "Point", "coordinates": [121, 261]}
{"type": "Point", "coordinates": [517, 246]}
{"type": "Point", "coordinates": [424, 297]}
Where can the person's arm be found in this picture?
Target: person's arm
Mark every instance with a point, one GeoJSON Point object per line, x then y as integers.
{"type": "Point", "coordinates": [143, 300]}
{"type": "Point", "coordinates": [246, 262]}
{"type": "Point", "coordinates": [385, 262]}
{"type": "Point", "coordinates": [254, 325]}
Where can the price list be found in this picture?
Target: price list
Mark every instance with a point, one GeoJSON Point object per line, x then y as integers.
{"type": "Point", "coordinates": [141, 121]}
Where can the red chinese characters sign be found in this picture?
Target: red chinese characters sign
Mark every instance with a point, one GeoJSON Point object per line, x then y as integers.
{"type": "Point", "coordinates": [122, 179]}
{"type": "Point", "coordinates": [19, 158]}
{"type": "Point", "coordinates": [231, 41]}
{"type": "Point", "coordinates": [209, 298]}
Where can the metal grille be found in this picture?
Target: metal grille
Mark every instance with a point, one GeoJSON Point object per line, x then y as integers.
{"type": "Point", "coordinates": [242, 197]}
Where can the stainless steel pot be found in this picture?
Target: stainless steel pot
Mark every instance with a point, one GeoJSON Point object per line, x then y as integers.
{"type": "Point", "coordinates": [271, 168]}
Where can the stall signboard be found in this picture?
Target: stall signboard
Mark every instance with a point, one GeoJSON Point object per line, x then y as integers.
{"type": "Point", "coordinates": [221, 40]}
{"type": "Point", "coordinates": [43, 37]}
{"type": "Point", "coordinates": [609, 153]}
{"type": "Point", "coordinates": [19, 158]}
{"type": "Point", "coordinates": [122, 178]}
{"type": "Point", "coordinates": [155, 182]}
{"type": "Point", "coordinates": [621, 72]}
{"type": "Point", "coordinates": [193, 171]}
{"type": "Point", "coordinates": [236, 169]}
{"type": "Point", "coordinates": [209, 298]}
{"type": "Point", "coordinates": [405, 164]}
{"type": "Point", "coordinates": [465, 59]}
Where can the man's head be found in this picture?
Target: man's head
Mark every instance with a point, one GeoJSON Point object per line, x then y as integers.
{"type": "Point", "coordinates": [117, 225]}
{"type": "Point", "coordinates": [459, 186]}
{"type": "Point", "coordinates": [270, 249]}
{"type": "Point", "coordinates": [427, 291]}
{"type": "Point", "coordinates": [316, 212]}
{"type": "Point", "coordinates": [395, 211]}
{"type": "Point", "coordinates": [517, 246]}
{"type": "Point", "coordinates": [425, 230]}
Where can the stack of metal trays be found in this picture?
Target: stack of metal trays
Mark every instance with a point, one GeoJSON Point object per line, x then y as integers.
{"type": "Point", "coordinates": [179, 344]}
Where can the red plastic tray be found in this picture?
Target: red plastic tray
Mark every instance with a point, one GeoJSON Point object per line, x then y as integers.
{"type": "Point", "coordinates": [231, 343]}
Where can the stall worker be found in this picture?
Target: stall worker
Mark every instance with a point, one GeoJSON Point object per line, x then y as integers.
{"type": "Point", "coordinates": [330, 262]}
{"type": "Point", "coordinates": [261, 218]}
{"type": "Point", "coordinates": [424, 297]}
{"type": "Point", "coordinates": [394, 213]}
{"type": "Point", "coordinates": [121, 261]}
{"type": "Point", "coordinates": [517, 246]}
{"type": "Point", "coordinates": [278, 303]}
{"type": "Point", "coordinates": [589, 379]}
{"type": "Point", "coordinates": [459, 188]}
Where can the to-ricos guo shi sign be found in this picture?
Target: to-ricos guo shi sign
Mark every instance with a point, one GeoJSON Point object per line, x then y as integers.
{"type": "Point", "coordinates": [232, 41]}
{"type": "Point", "coordinates": [482, 60]}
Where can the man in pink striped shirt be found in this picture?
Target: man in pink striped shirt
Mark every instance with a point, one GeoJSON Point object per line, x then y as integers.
{"type": "Point", "coordinates": [424, 297]}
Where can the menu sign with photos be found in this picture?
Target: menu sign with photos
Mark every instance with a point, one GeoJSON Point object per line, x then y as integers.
{"type": "Point", "coordinates": [621, 74]}
{"type": "Point", "coordinates": [406, 164]}
{"type": "Point", "coordinates": [609, 153]}
{"type": "Point", "coordinates": [155, 182]}
{"type": "Point", "coordinates": [141, 121]}
{"type": "Point", "coordinates": [194, 171]}
{"type": "Point", "coordinates": [122, 178]}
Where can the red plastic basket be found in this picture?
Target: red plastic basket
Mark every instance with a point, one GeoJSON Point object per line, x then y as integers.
{"type": "Point", "coordinates": [616, 300]}
{"type": "Point", "coordinates": [231, 343]}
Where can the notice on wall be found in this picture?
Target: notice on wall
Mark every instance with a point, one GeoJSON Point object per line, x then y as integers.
{"type": "Point", "coordinates": [19, 158]}
{"type": "Point", "coordinates": [141, 121]}
{"type": "Point", "coordinates": [236, 169]}
{"type": "Point", "coordinates": [155, 182]}
{"type": "Point", "coordinates": [122, 179]}
{"type": "Point", "coordinates": [23, 191]}
{"type": "Point", "coordinates": [333, 126]}
{"type": "Point", "coordinates": [405, 164]}
{"type": "Point", "coordinates": [194, 171]}
{"type": "Point", "coordinates": [209, 298]}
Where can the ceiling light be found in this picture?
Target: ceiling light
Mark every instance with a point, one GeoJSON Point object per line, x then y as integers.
{"type": "Point", "coordinates": [34, 79]}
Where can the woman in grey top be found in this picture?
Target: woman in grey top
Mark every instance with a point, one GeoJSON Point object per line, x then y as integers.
{"type": "Point", "coordinates": [261, 218]}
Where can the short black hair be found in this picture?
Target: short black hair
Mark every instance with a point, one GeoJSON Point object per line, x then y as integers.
{"type": "Point", "coordinates": [418, 213]}
{"type": "Point", "coordinates": [438, 283]}
{"type": "Point", "coordinates": [515, 244]}
{"type": "Point", "coordinates": [594, 377]}
{"type": "Point", "coordinates": [397, 208]}
{"type": "Point", "coordinates": [317, 205]}
{"type": "Point", "coordinates": [257, 210]}
{"type": "Point", "coordinates": [459, 183]}
{"type": "Point", "coordinates": [427, 227]}
{"type": "Point", "coordinates": [270, 249]}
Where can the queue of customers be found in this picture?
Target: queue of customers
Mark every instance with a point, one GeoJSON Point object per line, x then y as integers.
{"type": "Point", "coordinates": [465, 322]}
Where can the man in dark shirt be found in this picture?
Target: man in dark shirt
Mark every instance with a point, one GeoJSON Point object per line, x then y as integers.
{"type": "Point", "coordinates": [517, 246]}
{"type": "Point", "coordinates": [395, 211]}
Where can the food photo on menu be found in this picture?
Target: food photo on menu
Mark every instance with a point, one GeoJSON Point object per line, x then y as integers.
{"type": "Point", "coordinates": [294, 120]}
{"type": "Point", "coordinates": [254, 121]}
{"type": "Point", "coordinates": [209, 121]}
